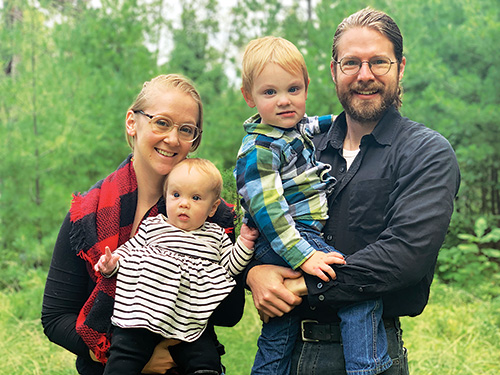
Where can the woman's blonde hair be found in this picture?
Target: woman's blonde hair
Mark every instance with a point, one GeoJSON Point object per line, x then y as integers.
{"type": "Point", "coordinates": [165, 82]}
{"type": "Point", "coordinates": [214, 177]}
{"type": "Point", "coordinates": [271, 49]}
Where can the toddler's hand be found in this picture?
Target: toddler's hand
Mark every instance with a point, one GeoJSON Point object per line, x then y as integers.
{"type": "Point", "coordinates": [107, 263]}
{"type": "Point", "coordinates": [248, 235]}
{"type": "Point", "coordinates": [318, 264]}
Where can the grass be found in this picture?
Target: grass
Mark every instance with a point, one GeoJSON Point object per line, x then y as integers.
{"type": "Point", "coordinates": [458, 334]}
{"type": "Point", "coordinates": [24, 349]}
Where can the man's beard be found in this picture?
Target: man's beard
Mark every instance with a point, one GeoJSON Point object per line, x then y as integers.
{"type": "Point", "coordinates": [367, 111]}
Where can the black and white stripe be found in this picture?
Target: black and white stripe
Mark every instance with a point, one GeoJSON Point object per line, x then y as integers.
{"type": "Point", "coordinates": [170, 280]}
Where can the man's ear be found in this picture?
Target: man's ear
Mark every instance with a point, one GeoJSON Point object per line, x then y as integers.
{"type": "Point", "coordinates": [248, 98]}
{"type": "Point", "coordinates": [214, 208]}
{"type": "Point", "coordinates": [332, 69]}
{"type": "Point", "coordinates": [130, 123]}
{"type": "Point", "coordinates": [402, 68]}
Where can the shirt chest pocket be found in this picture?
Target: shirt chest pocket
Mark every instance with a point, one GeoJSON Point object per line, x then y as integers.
{"type": "Point", "coordinates": [294, 159]}
{"type": "Point", "coordinates": [367, 204]}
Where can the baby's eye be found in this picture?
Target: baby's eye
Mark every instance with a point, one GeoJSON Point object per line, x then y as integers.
{"type": "Point", "coordinates": [269, 92]}
{"type": "Point", "coordinates": [176, 195]}
{"type": "Point", "coordinates": [294, 89]}
{"type": "Point", "coordinates": [196, 197]}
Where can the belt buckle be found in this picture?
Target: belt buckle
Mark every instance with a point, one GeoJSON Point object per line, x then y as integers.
{"type": "Point", "coordinates": [302, 330]}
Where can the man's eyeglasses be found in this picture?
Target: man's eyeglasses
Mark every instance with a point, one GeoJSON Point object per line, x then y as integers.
{"type": "Point", "coordinates": [379, 66]}
{"type": "Point", "coordinates": [162, 125]}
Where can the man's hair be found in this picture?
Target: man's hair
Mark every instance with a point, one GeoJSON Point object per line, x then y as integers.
{"type": "Point", "coordinates": [271, 49]}
{"type": "Point", "coordinates": [378, 21]}
{"type": "Point", "coordinates": [163, 83]}
{"type": "Point", "coordinates": [204, 166]}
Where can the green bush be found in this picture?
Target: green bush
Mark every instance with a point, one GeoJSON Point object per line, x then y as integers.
{"type": "Point", "coordinates": [475, 262]}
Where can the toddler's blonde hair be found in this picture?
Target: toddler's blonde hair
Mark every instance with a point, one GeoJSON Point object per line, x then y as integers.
{"type": "Point", "coordinates": [271, 49]}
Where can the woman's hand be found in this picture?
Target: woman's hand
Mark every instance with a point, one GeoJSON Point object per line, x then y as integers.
{"type": "Point", "coordinates": [269, 293]}
{"type": "Point", "coordinates": [161, 360]}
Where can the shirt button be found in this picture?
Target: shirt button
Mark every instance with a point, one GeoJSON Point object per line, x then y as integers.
{"type": "Point", "coordinates": [341, 169]}
{"type": "Point", "coordinates": [320, 285]}
{"type": "Point", "coordinates": [360, 290]}
{"type": "Point", "coordinates": [321, 297]}
{"type": "Point", "coordinates": [313, 307]}
{"type": "Point", "coordinates": [329, 237]}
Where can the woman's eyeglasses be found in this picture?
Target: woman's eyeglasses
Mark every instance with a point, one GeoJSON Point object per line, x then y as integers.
{"type": "Point", "coordinates": [163, 125]}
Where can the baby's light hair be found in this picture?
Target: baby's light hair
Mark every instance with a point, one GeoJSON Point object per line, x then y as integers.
{"type": "Point", "coordinates": [214, 177]}
{"type": "Point", "coordinates": [271, 49]}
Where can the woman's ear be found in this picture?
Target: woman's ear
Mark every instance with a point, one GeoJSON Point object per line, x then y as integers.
{"type": "Point", "coordinates": [130, 123]}
{"type": "Point", "coordinates": [248, 98]}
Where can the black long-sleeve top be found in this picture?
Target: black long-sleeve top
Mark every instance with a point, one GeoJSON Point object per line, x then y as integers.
{"type": "Point", "coordinates": [389, 212]}
{"type": "Point", "coordinates": [69, 286]}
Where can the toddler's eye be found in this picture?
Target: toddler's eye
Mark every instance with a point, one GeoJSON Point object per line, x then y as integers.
{"type": "Point", "coordinates": [269, 92]}
{"type": "Point", "coordinates": [196, 198]}
{"type": "Point", "coordinates": [176, 195]}
{"type": "Point", "coordinates": [294, 89]}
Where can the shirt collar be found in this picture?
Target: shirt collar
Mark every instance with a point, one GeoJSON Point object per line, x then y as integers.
{"type": "Point", "coordinates": [253, 125]}
{"type": "Point", "coordinates": [383, 133]}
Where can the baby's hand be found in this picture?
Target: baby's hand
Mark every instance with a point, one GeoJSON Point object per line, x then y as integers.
{"type": "Point", "coordinates": [248, 235]}
{"type": "Point", "coordinates": [107, 263]}
{"type": "Point", "coordinates": [319, 264]}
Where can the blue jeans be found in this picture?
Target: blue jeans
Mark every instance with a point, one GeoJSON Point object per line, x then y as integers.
{"type": "Point", "coordinates": [319, 358]}
{"type": "Point", "coordinates": [361, 323]}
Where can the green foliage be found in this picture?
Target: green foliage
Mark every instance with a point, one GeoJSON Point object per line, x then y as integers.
{"type": "Point", "coordinates": [473, 264]}
{"type": "Point", "coordinates": [63, 115]}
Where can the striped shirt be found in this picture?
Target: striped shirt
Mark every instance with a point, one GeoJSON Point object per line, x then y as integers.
{"type": "Point", "coordinates": [281, 182]}
{"type": "Point", "coordinates": [171, 280]}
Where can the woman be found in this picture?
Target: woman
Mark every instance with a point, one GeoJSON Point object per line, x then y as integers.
{"type": "Point", "coordinates": [78, 301]}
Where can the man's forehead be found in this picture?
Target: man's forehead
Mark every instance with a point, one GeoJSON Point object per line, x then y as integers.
{"type": "Point", "coordinates": [363, 42]}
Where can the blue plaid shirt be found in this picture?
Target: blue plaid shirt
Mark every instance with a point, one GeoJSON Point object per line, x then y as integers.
{"type": "Point", "coordinates": [281, 182]}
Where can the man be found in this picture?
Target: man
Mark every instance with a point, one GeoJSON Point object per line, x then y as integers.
{"type": "Point", "coordinates": [389, 212]}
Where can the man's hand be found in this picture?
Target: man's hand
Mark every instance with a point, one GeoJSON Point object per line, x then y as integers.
{"type": "Point", "coordinates": [318, 264]}
{"type": "Point", "coordinates": [269, 294]}
{"type": "Point", "coordinates": [107, 263]}
{"type": "Point", "coordinates": [297, 286]}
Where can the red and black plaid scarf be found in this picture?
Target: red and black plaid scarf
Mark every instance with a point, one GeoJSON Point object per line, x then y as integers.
{"type": "Point", "coordinates": [104, 217]}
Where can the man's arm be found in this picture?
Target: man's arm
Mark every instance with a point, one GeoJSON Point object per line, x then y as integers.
{"type": "Point", "coordinates": [405, 253]}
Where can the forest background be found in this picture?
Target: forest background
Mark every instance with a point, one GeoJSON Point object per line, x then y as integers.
{"type": "Point", "coordinates": [71, 68]}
